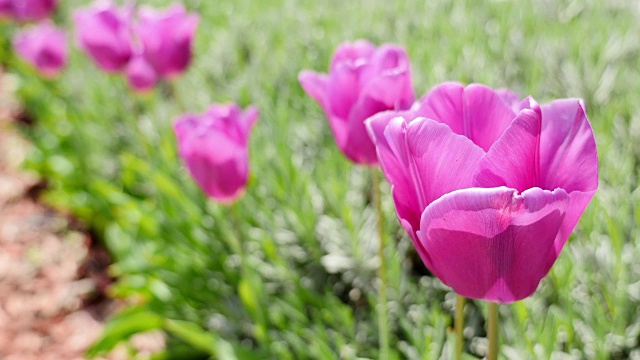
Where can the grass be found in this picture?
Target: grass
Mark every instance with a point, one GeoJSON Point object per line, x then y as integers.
{"type": "Point", "coordinates": [307, 224]}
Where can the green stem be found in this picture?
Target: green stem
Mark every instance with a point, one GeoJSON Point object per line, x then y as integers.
{"type": "Point", "coordinates": [383, 316]}
{"type": "Point", "coordinates": [236, 238]}
{"type": "Point", "coordinates": [168, 91]}
{"type": "Point", "coordinates": [459, 326]}
{"type": "Point", "coordinates": [493, 332]}
{"type": "Point", "coordinates": [249, 286]}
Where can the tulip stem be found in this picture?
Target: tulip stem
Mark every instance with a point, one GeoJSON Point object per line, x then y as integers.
{"type": "Point", "coordinates": [168, 90]}
{"type": "Point", "coordinates": [383, 316]}
{"type": "Point", "coordinates": [493, 331]}
{"type": "Point", "coordinates": [249, 288]}
{"type": "Point", "coordinates": [236, 238]}
{"type": "Point", "coordinates": [459, 326]}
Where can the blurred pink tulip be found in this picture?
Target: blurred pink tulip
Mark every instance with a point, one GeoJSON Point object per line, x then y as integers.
{"type": "Point", "coordinates": [141, 75]}
{"type": "Point", "coordinates": [44, 46]}
{"type": "Point", "coordinates": [489, 196]}
{"type": "Point", "coordinates": [166, 37]}
{"type": "Point", "coordinates": [214, 147]}
{"type": "Point", "coordinates": [6, 9]}
{"type": "Point", "coordinates": [104, 33]}
{"type": "Point", "coordinates": [362, 81]}
{"type": "Point", "coordinates": [27, 10]}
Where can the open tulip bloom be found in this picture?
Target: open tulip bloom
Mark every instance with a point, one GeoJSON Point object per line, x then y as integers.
{"type": "Point", "coordinates": [214, 147]}
{"type": "Point", "coordinates": [147, 45]}
{"type": "Point", "coordinates": [362, 81]}
{"type": "Point", "coordinates": [488, 195]}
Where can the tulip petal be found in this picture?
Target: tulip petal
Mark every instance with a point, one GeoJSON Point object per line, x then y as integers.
{"type": "Point", "coordinates": [358, 146]}
{"type": "Point", "coordinates": [166, 37]}
{"type": "Point", "coordinates": [222, 174]}
{"type": "Point", "coordinates": [568, 155]}
{"type": "Point", "coordinates": [103, 34]}
{"type": "Point", "coordinates": [315, 85]}
{"type": "Point", "coordinates": [493, 244]}
{"type": "Point", "coordinates": [28, 10]}
{"type": "Point", "coordinates": [444, 103]}
{"type": "Point", "coordinates": [513, 161]}
{"type": "Point", "coordinates": [141, 75]}
{"type": "Point", "coordinates": [215, 160]}
{"type": "Point", "coordinates": [248, 119]}
{"type": "Point", "coordinates": [385, 84]}
{"type": "Point", "coordinates": [230, 120]}
{"type": "Point", "coordinates": [476, 111]}
{"type": "Point", "coordinates": [387, 78]}
{"type": "Point", "coordinates": [440, 161]}
{"type": "Point", "coordinates": [342, 89]}
{"type": "Point", "coordinates": [6, 9]}
{"type": "Point", "coordinates": [568, 159]}
{"type": "Point", "coordinates": [422, 160]}
{"type": "Point", "coordinates": [404, 193]}
{"type": "Point", "coordinates": [44, 46]}
{"type": "Point", "coordinates": [354, 53]}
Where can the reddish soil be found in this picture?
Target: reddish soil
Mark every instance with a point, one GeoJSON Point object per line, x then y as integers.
{"type": "Point", "coordinates": [52, 277]}
{"type": "Point", "coordinates": [51, 302]}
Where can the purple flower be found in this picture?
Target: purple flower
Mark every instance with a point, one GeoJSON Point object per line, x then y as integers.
{"type": "Point", "coordinates": [44, 46]}
{"type": "Point", "coordinates": [27, 10]}
{"type": "Point", "coordinates": [362, 81]}
{"type": "Point", "coordinates": [214, 147]}
{"type": "Point", "coordinates": [166, 37]}
{"type": "Point", "coordinates": [489, 196]}
{"type": "Point", "coordinates": [104, 33]}
{"type": "Point", "coordinates": [141, 75]}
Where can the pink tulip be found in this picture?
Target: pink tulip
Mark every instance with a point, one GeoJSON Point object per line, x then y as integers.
{"type": "Point", "coordinates": [44, 46]}
{"type": "Point", "coordinates": [141, 75]}
{"type": "Point", "coordinates": [166, 38]}
{"type": "Point", "coordinates": [27, 10]}
{"type": "Point", "coordinates": [6, 9]}
{"type": "Point", "coordinates": [362, 81]}
{"type": "Point", "coordinates": [488, 196]}
{"type": "Point", "coordinates": [104, 33]}
{"type": "Point", "coordinates": [214, 147]}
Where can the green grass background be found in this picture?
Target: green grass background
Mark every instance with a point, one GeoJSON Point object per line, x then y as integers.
{"type": "Point", "coordinates": [306, 224]}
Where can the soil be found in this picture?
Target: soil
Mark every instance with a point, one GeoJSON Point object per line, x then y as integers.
{"type": "Point", "coordinates": [53, 277]}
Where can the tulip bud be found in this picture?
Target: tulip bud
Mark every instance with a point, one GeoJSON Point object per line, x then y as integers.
{"type": "Point", "coordinates": [44, 46]}
{"type": "Point", "coordinates": [104, 33]}
{"type": "Point", "coordinates": [214, 148]}
{"type": "Point", "coordinates": [166, 37]}
{"type": "Point", "coordinates": [362, 81]}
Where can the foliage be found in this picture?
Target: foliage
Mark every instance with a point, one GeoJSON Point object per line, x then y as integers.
{"type": "Point", "coordinates": [289, 271]}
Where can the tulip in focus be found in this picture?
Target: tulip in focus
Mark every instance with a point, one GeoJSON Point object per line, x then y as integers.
{"type": "Point", "coordinates": [166, 37]}
{"type": "Point", "coordinates": [488, 195]}
{"type": "Point", "coordinates": [362, 81]}
{"type": "Point", "coordinates": [44, 46]}
{"type": "Point", "coordinates": [27, 10]}
{"type": "Point", "coordinates": [104, 33]}
{"type": "Point", "coordinates": [214, 148]}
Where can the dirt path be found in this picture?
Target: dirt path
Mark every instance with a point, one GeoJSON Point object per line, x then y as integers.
{"type": "Point", "coordinates": [51, 305]}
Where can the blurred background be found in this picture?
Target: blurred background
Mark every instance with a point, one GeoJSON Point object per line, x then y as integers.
{"type": "Point", "coordinates": [107, 161]}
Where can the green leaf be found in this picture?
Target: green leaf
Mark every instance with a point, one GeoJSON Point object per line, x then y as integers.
{"type": "Point", "coordinates": [122, 326]}
{"type": "Point", "coordinates": [198, 338]}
